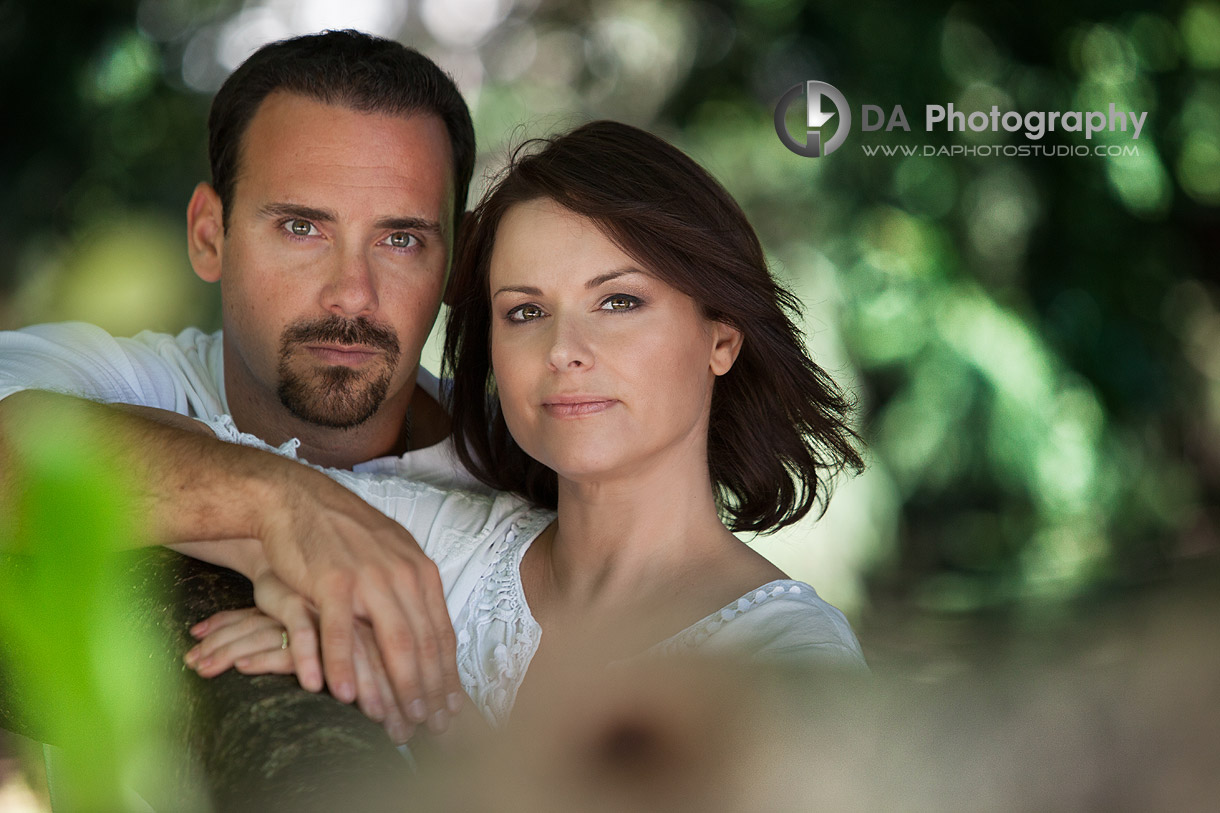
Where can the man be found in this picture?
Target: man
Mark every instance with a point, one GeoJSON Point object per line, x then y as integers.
{"type": "Point", "coordinates": [340, 166]}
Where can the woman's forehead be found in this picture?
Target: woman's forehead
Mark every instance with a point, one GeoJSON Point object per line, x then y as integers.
{"type": "Point", "coordinates": [540, 238]}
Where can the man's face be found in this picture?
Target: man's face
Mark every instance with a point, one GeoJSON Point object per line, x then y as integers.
{"type": "Point", "coordinates": [334, 259]}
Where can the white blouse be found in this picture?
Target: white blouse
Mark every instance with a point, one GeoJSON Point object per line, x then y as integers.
{"type": "Point", "coordinates": [478, 542]}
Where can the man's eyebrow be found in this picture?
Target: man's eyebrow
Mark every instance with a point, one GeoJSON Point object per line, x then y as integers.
{"type": "Point", "coordinates": [409, 224]}
{"type": "Point", "coordinates": [297, 210]}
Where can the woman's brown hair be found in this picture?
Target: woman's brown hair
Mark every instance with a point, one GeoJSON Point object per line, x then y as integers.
{"type": "Point", "coordinates": [777, 432]}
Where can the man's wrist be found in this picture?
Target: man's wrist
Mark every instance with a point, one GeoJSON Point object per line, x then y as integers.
{"type": "Point", "coordinates": [244, 556]}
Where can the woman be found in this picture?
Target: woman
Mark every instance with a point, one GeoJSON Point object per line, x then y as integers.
{"type": "Point", "coordinates": [652, 395]}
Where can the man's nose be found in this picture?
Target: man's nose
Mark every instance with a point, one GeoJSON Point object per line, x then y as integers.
{"type": "Point", "coordinates": [350, 288]}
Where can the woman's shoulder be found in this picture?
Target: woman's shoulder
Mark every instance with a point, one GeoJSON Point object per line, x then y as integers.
{"type": "Point", "coordinates": [782, 620]}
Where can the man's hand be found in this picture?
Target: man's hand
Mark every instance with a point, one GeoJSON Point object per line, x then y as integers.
{"type": "Point", "coordinates": [351, 561]}
{"type": "Point", "coordinates": [254, 643]}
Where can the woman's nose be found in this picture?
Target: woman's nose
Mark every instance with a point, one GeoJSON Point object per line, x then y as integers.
{"type": "Point", "coordinates": [569, 348]}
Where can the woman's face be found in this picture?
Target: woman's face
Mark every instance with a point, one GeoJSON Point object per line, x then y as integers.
{"type": "Point", "coordinates": [603, 369]}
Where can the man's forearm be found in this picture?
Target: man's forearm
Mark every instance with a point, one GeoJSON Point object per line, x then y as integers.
{"type": "Point", "coordinates": [253, 510]}
{"type": "Point", "coordinates": [187, 488]}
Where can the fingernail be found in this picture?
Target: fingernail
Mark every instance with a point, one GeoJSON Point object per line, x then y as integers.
{"type": "Point", "coordinates": [199, 629]}
{"type": "Point", "coordinates": [242, 663]}
{"type": "Point", "coordinates": [417, 710]}
{"type": "Point", "coordinates": [191, 656]}
{"type": "Point", "coordinates": [454, 701]}
{"type": "Point", "coordinates": [438, 722]}
{"type": "Point", "coordinates": [346, 692]}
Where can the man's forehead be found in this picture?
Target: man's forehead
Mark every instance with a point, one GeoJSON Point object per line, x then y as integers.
{"type": "Point", "coordinates": [298, 146]}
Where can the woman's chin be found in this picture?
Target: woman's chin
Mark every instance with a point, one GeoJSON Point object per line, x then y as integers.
{"type": "Point", "coordinates": [586, 467]}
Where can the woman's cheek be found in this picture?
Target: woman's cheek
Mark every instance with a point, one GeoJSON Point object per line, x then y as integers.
{"type": "Point", "coordinates": [511, 389]}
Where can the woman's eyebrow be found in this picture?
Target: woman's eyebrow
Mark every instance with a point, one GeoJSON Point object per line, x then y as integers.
{"type": "Point", "coordinates": [602, 279]}
{"type": "Point", "coordinates": [528, 290]}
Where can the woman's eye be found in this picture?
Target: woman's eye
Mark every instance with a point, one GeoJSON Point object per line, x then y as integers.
{"type": "Point", "coordinates": [301, 228]}
{"type": "Point", "coordinates": [402, 239]}
{"type": "Point", "coordinates": [525, 313]}
{"type": "Point", "coordinates": [620, 302]}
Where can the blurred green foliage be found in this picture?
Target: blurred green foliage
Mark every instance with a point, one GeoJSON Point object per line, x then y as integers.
{"type": "Point", "coordinates": [1034, 342]}
{"type": "Point", "coordinates": [66, 642]}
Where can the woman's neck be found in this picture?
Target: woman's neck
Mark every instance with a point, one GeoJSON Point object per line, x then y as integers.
{"type": "Point", "coordinates": [619, 536]}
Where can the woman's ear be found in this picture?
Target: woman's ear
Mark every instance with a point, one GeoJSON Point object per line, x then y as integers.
{"type": "Point", "coordinates": [726, 345]}
{"type": "Point", "coordinates": [205, 232]}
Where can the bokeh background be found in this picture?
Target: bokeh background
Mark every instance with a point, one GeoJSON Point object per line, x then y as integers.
{"type": "Point", "coordinates": [1033, 342]}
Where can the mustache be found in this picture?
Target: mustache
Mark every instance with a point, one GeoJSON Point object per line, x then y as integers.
{"type": "Point", "coordinates": [337, 330]}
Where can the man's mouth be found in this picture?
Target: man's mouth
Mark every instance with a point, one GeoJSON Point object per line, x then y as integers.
{"type": "Point", "coordinates": [351, 355]}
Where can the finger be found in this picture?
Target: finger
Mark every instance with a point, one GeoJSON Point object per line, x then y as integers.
{"type": "Point", "coordinates": [396, 724]}
{"type": "Point", "coordinates": [368, 694]}
{"type": "Point", "coordinates": [427, 648]}
{"type": "Point", "coordinates": [224, 657]}
{"type": "Point", "coordinates": [442, 626]}
{"type": "Point", "coordinates": [237, 624]}
{"type": "Point", "coordinates": [294, 612]}
{"type": "Point", "coordinates": [303, 649]}
{"type": "Point", "coordinates": [337, 621]}
{"type": "Point", "coordinates": [217, 621]}
{"type": "Point", "coordinates": [401, 731]}
{"type": "Point", "coordinates": [396, 640]}
{"type": "Point", "coordinates": [268, 662]}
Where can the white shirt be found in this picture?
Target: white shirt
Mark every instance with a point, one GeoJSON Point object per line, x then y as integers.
{"type": "Point", "coordinates": [183, 374]}
{"type": "Point", "coordinates": [478, 541]}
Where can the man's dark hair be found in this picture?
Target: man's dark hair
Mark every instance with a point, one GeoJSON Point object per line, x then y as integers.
{"type": "Point", "coordinates": [346, 68]}
{"type": "Point", "coordinates": [778, 431]}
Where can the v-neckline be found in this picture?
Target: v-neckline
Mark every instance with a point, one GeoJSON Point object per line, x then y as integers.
{"type": "Point", "coordinates": [728, 612]}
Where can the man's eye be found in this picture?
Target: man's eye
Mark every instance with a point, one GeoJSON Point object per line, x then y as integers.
{"type": "Point", "coordinates": [401, 239]}
{"type": "Point", "coordinates": [525, 313]}
{"type": "Point", "coordinates": [620, 302]}
{"type": "Point", "coordinates": [301, 228]}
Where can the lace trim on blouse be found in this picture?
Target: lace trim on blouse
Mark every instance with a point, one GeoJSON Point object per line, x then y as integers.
{"type": "Point", "coordinates": [224, 429]}
{"type": "Point", "coordinates": [499, 637]}
{"type": "Point", "coordinates": [694, 635]}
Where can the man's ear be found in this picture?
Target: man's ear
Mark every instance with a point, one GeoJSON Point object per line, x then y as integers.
{"type": "Point", "coordinates": [726, 345]}
{"type": "Point", "coordinates": [205, 233]}
{"type": "Point", "coordinates": [459, 228]}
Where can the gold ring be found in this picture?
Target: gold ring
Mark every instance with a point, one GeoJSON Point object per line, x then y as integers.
{"type": "Point", "coordinates": [283, 639]}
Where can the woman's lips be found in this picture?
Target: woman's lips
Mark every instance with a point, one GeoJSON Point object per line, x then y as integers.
{"type": "Point", "coordinates": [576, 406]}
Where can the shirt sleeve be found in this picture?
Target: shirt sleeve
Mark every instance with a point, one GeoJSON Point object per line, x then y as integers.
{"type": "Point", "coordinates": [790, 630]}
{"type": "Point", "coordinates": [78, 359]}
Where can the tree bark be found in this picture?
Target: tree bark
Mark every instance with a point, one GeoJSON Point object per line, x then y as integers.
{"type": "Point", "coordinates": [262, 742]}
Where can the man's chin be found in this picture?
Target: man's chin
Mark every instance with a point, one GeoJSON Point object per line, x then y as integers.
{"type": "Point", "coordinates": [335, 397]}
